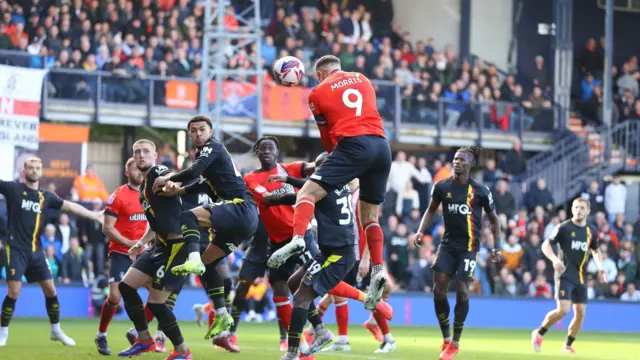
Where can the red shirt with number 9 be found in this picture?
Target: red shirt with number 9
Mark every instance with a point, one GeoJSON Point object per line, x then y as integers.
{"type": "Point", "coordinates": [344, 105]}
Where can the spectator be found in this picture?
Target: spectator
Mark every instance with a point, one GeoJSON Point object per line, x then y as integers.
{"type": "Point", "coordinates": [610, 269]}
{"type": "Point", "coordinates": [74, 264]}
{"type": "Point", "coordinates": [49, 239]}
{"type": "Point", "coordinates": [504, 200]}
{"type": "Point", "coordinates": [514, 164]}
{"type": "Point", "coordinates": [89, 186]}
{"type": "Point", "coordinates": [631, 294]}
{"type": "Point", "coordinates": [539, 196]}
{"type": "Point", "coordinates": [540, 75]}
{"type": "Point", "coordinates": [512, 252]}
{"type": "Point", "coordinates": [94, 240]}
{"type": "Point", "coordinates": [407, 201]}
{"type": "Point", "coordinates": [398, 254]}
{"type": "Point", "coordinates": [615, 198]}
{"type": "Point", "coordinates": [595, 197]}
{"type": "Point", "coordinates": [54, 264]}
{"type": "Point", "coordinates": [64, 231]}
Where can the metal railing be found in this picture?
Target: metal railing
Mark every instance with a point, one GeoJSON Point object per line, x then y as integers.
{"type": "Point", "coordinates": [581, 158]}
{"type": "Point", "coordinates": [400, 110]}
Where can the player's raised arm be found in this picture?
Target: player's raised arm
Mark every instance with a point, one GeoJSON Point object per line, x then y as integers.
{"type": "Point", "coordinates": [205, 158]}
{"type": "Point", "coordinates": [80, 210]}
{"type": "Point", "coordinates": [427, 219]}
{"type": "Point", "coordinates": [321, 121]}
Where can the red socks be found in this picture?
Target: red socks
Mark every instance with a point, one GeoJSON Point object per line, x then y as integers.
{"type": "Point", "coordinates": [342, 317]}
{"type": "Point", "coordinates": [148, 314]}
{"type": "Point", "coordinates": [283, 308]}
{"type": "Point", "coordinates": [106, 315]}
{"type": "Point", "coordinates": [375, 239]}
{"type": "Point", "coordinates": [347, 291]}
{"type": "Point", "coordinates": [381, 320]}
{"type": "Point", "coordinates": [302, 215]}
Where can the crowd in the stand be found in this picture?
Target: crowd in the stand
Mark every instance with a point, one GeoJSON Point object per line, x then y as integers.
{"type": "Point", "coordinates": [134, 39]}
{"type": "Point", "coordinates": [625, 85]}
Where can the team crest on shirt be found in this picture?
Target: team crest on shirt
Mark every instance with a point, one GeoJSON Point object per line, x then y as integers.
{"type": "Point", "coordinates": [448, 195]}
{"type": "Point", "coordinates": [260, 189]}
{"type": "Point", "coordinates": [111, 199]}
{"type": "Point", "coordinates": [573, 234]}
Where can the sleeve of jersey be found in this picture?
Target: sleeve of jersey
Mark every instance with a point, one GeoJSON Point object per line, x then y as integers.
{"type": "Point", "coordinates": [112, 208]}
{"type": "Point", "coordinates": [435, 192]}
{"type": "Point", "coordinates": [205, 158]}
{"type": "Point", "coordinates": [53, 201]}
{"type": "Point", "coordinates": [487, 201]}
{"type": "Point", "coordinates": [294, 169]}
{"type": "Point", "coordinates": [4, 187]}
{"type": "Point", "coordinates": [321, 121]}
{"type": "Point", "coordinates": [555, 235]}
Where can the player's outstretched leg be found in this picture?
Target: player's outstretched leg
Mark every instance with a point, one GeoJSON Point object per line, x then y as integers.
{"type": "Point", "coordinates": [552, 317]}
{"type": "Point", "coordinates": [347, 291]}
{"type": "Point", "coordinates": [305, 206]}
{"type": "Point", "coordinates": [214, 285]}
{"type": "Point", "coordinates": [388, 343]}
{"type": "Point", "coordinates": [189, 223]}
{"type": "Point", "coordinates": [375, 239]}
{"type": "Point", "coordinates": [53, 311]}
{"type": "Point", "coordinates": [579, 311]}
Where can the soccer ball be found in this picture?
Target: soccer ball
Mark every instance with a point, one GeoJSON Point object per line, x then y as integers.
{"type": "Point", "coordinates": [289, 70]}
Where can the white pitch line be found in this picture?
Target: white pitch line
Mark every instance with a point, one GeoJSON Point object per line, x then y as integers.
{"type": "Point", "coordinates": [332, 353]}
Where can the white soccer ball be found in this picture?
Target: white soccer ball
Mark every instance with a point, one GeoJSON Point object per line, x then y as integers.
{"type": "Point", "coordinates": [289, 70]}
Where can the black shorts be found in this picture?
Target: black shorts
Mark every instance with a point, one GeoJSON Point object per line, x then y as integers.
{"type": "Point", "coordinates": [568, 290]}
{"type": "Point", "coordinates": [118, 266]}
{"type": "Point", "coordinates": [328, 268]}
{"type": "Point", "coordinates": [206, 235]}
{"type": "Point", "coordinates": [157, 263]}
{"type": "Point", "coordinates": [254, 263]}
{"type": "Point", "coordinates": [232, 221]}
{"type": "Point", "coordinates": [33, 265]}
{"type": "Point", "coordinates": [366, 157]}
{"type": "Point", "coordinates": [284, 272]}
{"type": "Point", "coordinates": [461, 264]}
{"type": "Point", "coordinates": [352, 276]}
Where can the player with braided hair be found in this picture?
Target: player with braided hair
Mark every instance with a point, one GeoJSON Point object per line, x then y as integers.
{"type": "Point", "coordinates": [463, 200]}
{"type": "Point", "coordinates": [274, 232]}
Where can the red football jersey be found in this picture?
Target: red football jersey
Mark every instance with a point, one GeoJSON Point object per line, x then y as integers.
{"type": "Point", "coordinates": [278, 220]}
{"type": "Point", "coordinates": [124, 204]}
{"type": "Point", "coordinates": [344, 105]}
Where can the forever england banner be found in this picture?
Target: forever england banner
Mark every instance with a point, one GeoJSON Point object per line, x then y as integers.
{"type": "Point", "coordinates": [20, 93]}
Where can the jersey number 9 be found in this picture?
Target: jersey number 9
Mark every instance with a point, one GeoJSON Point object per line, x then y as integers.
{"type": "Point", "coordinates": [353, 104]}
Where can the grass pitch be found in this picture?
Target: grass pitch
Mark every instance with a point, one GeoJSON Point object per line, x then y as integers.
{"type": "Point", "coordinates": [29, 339]}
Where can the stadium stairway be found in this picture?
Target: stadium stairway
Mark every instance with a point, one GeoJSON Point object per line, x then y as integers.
{"type": "Point", "coordinates": [584, 154]}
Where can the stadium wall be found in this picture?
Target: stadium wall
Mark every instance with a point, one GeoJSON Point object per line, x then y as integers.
{"type": "Point", "coordinates": [439, 19]}
{"type": "Point", "coordinates": [410, 310]}
{"type": "Point", "coordinates": [491, 30]}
